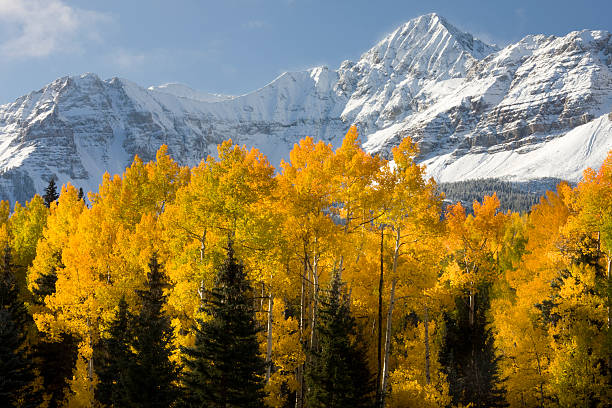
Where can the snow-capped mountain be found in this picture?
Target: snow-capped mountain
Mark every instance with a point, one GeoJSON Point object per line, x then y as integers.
{"type": "Point", "coordinates": [537, 108]}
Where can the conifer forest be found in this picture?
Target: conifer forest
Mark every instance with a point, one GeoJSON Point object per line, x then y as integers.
{"type": "Point", "coordinates": [339, 279]}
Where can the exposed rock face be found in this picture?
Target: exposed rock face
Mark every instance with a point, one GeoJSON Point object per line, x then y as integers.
{"type": "Point", "coordinates": [475, 110]}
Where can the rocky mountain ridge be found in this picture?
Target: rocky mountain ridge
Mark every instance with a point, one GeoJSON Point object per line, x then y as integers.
{"type": "Point", "coordinates": [537, 108]}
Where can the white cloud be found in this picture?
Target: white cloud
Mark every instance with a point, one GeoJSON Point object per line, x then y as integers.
{"type": "Point", "coordinates": [38, 28]}
{"type": "Point", "coordinates": [255, 25]}
{"type": "Point", "coordinates": [125, 59]}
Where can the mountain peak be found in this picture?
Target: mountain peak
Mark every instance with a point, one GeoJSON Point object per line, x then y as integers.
{"type": "Point", "coordinates": [427, 47]}
{"type": "Point", "coordinates": [433, 24]}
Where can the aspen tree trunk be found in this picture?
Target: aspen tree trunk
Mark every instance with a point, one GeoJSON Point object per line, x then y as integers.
{"type": "Point", "coordinates": [609, 316]}
{"type": "Point", "coordinates": [315, 301]}
{"type": "Point", "coordinates": [609, 289]}
{"type": "Point", "coordinates": [471, 298]}
{"type": "Point", "coordinates": [342, 255]}
{"type": "Point", "coordinates": [201, 290]}
{"type": "Point", "coordinates": [299, 393]}
{"type": "Point", "coordinates": [535, 349]}
{"type": "Point", "coordinates": [471, 306]}
{"type": "Point", "coordinates": [269, 348]}
{"type": "Point", "coordinates": [385, 373]}
{"type": "Point", "coordinates": [263, 295]}
{"type": "Point", "coordinates": [379, 336]}
{"type": "Point", "coordinates": [202, 245]}
{"type": "Point", "coordinates": [90, 362]}
{"type": "Point", "coordinates": [202, 250]}
{"type": "Point", "coordinates": [427, 362]}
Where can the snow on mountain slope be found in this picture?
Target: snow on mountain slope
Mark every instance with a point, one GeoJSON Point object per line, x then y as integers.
{"type": "Point", "coordinates": [563, 157]}
{"type": "Point", "coordinates": [475, 110]}
{"type": "Point", "coordinates": [183, 91]}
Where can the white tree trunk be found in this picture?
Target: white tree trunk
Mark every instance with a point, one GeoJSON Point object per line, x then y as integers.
{"type": "Point", "coordinates": [299, 393]}
{"type": "Point", "coordinates": [427, 362]}
{"type": "Point", "coordinates": [385, 375]}
{"type": "Point", "coordinates": [315, 301]}
{"type": "Point", "coordinates": [269, 346]}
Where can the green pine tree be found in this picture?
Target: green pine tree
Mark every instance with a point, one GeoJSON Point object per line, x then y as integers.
{"type": "Point", "coordinates": [56, 356]}
{"type": "Point", "coordinates": [152, 380]}
{"type": "Point", "coordinates": [56, 361]}
{"type": "Point", "coordinates": [114, 357]}
{"type": "Point", "coordinates": [16, 368]}
{"type": "Point", "coordinates": [224, 368]}
{"type": "Point", "coordinates": [50, 193]}
{"type": "Point", "coordinates": [468, 355]}
{"type": "Point", "coordinates": [337, 375]}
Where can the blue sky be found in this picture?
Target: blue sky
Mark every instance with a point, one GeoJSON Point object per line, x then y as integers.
{"type": "Point", "coordinates": [235, 46]}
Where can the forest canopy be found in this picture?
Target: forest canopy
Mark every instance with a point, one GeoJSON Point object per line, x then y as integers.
{"type": "Point", "coordinates": [339, 258]}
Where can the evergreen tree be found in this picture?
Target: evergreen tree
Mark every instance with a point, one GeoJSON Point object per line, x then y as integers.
{"type": "Point", "coordinates": [56, 361]}
{"type": "Point", "coordinates": [50, 193]}
{"type": "Point", "coordinates": [338, 375]}
{"type": "Point", "coordinates": [81, 195]}
{"type": "Point", "coordinates": [56, 357]}
{"type": "Point", "coordinates": [45, 283]}
{"type": "Point", "coordinates": [468, 355]}
{"type": "Point", "coordinates": [114, 358]}
{"type": "Point", "coordinates": [224, 367]}
{"type": "Point", "coordinates": [152, 378]}
{"type": "Point", "coordinates": [16, 369]}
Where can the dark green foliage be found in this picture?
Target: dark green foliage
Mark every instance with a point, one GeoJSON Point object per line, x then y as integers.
{"type": "Point", "coordinates": [152, 379]}
{"type": "Point", "coordinates": [468, 355]}
{"type": "Point", "coordinates": [50, 193]}
{"type": "Point", "coordinates": [56, 357]}
{"type": "Point", "coordinates": [81, 194]}
{"type": "Point", "coordinates": [56, 360]}
{"type": "Point", "coordinates": [114, 359]}
{"type": "Point", "coordinates": [45, 286]}
{"type": "Point", "coordinates": [16, 368]}
{"type": "Point", "coordinates": [224, 368]}
{"type": "Point", "coordinates": [337, 375]}
{"type": "Point", "coordinates": [515, 196]}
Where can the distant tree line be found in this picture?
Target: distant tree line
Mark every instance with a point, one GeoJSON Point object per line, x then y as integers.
{"type": "Point", "coordinates": [515, 196]}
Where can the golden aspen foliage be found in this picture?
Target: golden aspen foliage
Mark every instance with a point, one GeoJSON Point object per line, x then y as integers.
{"type": "Point", "coordinates": [26, 225]}
{"type": "Point", "coordinates": [287, 355]}
{"type": "Point", "coordinates": [81, 393]}
{"type": "Point", "coordinates": [580, 336]}
{"type": "Point", "coordinates": [228, 197]}
{"type": "Point", "coordinates": [61, 222]}
{"type": "Point", "coordinates": [97, 253]}
{"type": "Point", "coordinates": [5, 212]}
{"type": "Point", "coordinates": [408, 381]}
{"type": "Point", "coordinates": [523, 337]}
{"type": "Point", "coordinates": [475, 242]}
{"type": "Point", "coordinates": [325, 210]}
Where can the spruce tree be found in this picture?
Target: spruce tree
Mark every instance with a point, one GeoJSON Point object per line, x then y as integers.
{"type": "Point", "coordinates": [152, 378]}
{"type": "Point", "coordinates": [224, 368]}
{"type": "Point", "coordinates": [337, 375]}
{"type": "Point", "coordinates": [56, 357]}
{"type": "Point", "coordinates": [16, 368]}
{"type": "Point", "coordinates": [114, 358]}
{"type": "Point", "coordinates": [468, 355]}
{"type": "Point", "coordinates": [50, 193]}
